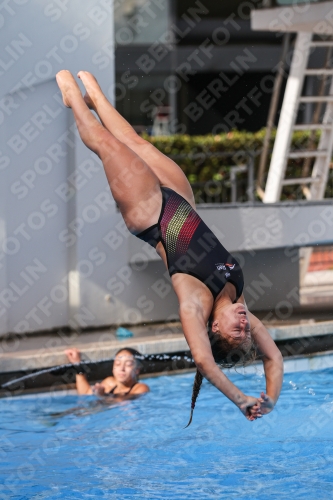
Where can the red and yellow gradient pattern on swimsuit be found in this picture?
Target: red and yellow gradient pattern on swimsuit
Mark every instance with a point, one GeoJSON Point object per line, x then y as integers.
{"type": "Point", "coordinates": [178, 224]}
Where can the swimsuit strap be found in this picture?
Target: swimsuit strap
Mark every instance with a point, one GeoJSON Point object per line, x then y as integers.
{"type": "Point", "coordinates": [131, 387]}
{"type": "Point", "coordinates": [115, 387]}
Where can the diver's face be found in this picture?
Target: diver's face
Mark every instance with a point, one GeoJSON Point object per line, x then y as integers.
{"type": "Point", "coordinates": [233, 322]}
{"type": "Point", "coordinates": [125, 369]}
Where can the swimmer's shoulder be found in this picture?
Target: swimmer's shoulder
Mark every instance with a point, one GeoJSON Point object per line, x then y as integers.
{"type": "Point", "coordinates": [140, 388]}
{"type": "Point", "coordinates": [108, 383]}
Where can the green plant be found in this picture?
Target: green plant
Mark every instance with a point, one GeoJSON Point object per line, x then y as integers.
{"type": "Point", "coordinates": [209, 157]}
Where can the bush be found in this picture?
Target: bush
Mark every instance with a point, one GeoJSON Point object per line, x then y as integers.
{"type": "Point", "coordinates": [209, 157]}
{"type": "Point", "coordinates": [198, 156]}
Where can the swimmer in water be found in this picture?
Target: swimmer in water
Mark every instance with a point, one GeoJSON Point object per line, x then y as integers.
{"type": "Point", "coordinates": [124, 380]}
{"type": "Point", "coordinates": [157, 205]}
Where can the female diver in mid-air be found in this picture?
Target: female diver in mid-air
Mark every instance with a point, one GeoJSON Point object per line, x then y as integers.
{"type": "Point", "coordinates": [157, 204]}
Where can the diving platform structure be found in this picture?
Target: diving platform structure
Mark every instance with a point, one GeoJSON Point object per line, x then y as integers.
{"type": "Point", "coordinates": [313, 24]}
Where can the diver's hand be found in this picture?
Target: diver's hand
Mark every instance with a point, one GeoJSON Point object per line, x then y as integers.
{"type": "Point", "coordinates": [73, 355]}
{"type": "Point", "coordinates": [251, 408]}
{"type": "Point", "coordinates": [99, 390]}
{"type": "Point", "coordinates": [266, 403]}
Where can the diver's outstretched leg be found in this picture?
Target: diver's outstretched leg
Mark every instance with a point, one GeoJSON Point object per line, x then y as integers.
{"type": "Point", "coordinates": [134, 185]}
{"type": "Point", "coordinates": [167, 171]}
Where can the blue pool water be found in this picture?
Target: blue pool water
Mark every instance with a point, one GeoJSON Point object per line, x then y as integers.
{"type": "Point", "coordinates": [139, 448]}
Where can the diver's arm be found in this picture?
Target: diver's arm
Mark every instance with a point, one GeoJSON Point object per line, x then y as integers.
{"type": "Point", "coordinates": [272, 360]}
{"type": "Point", "coordinates": [247, 404]}
{"type": "Point", "coordinates": [196, 335]}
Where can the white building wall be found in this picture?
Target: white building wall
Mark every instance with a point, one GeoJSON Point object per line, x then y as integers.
{"type": "Point", "coordinates": [39, 157]}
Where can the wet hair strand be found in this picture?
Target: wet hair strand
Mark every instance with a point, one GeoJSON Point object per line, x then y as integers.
{"type": "Point", "coordinates": [195, 392]}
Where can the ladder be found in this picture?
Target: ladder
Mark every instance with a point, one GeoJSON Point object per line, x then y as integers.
{"type": "Point", "coordinates": [313, 186]}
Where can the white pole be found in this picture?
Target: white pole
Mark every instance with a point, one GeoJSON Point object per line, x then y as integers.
{"type": "Point", "coordinates": [287, 118]}
{"type": "Point", "coordinates": [322, 164]}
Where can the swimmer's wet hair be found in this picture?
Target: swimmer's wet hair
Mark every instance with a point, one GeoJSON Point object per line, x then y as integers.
{"type": "Point", "coordinates": [134, 352]}
{"type": "Point", "coordinates": [227, 354]}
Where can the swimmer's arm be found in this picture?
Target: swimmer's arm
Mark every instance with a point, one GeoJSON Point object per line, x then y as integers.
{"type": "Point", "coordinates": [194, 327]}
{"type": "Point", "coordinates": [82, 385]}
{"type": "Point", "coordinates": [103, 388]}
{"type": "Point", "coordinates": [272, 360]}
{"type": "Point", "coordinates": [99, 389]}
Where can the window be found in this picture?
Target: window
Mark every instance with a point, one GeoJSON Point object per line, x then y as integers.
{"type": "Point", "coordinates": [138, 22]}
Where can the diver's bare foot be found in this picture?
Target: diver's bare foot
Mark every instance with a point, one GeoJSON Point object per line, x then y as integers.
{"type": "Point", "coordinates": [93, 90]}
{"type": "Point", "coordinates": [67, 86]}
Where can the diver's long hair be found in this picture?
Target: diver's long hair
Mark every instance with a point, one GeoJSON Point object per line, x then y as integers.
{"type": "Point", "coordinates": [227, 354]}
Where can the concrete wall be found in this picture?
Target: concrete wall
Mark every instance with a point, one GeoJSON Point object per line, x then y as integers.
{"type": "Point", "coordinates": [47, 177]}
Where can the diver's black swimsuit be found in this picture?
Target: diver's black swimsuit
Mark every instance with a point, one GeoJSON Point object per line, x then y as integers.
{"type": "Point", "coordinates": [121, 393]}
{"type": "Point", "coordinates": [191, 247]}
